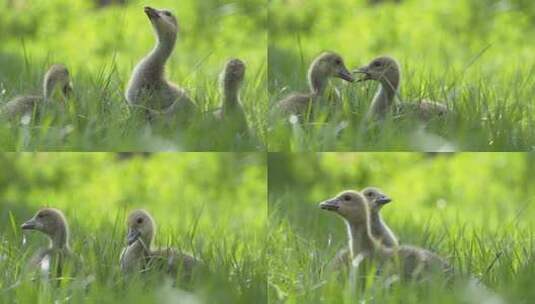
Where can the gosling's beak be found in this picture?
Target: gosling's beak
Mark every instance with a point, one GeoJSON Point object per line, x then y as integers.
{"type": "Point", "coordinates": [383, 200]}
{"type": "Point", "coordinates": [362, 70]}
{"type": "Point", "coordinates": [31, 224]}
{"type": "Point", "coordinates": [151, 12]}
{"type": "Point", "coordinates": [331, 205]}
{"type": "Point", "coordinates": [345, 75]}
{"type": "Point", "coordinates": [133, 235]}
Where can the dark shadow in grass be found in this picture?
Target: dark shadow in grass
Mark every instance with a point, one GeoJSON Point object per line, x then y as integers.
{"type": "Point", "coordinates": [20, 212]}
{"type": "Point", "coordinates": [286, 71]}
{"type": "Point", "coordinates": [15, 76]}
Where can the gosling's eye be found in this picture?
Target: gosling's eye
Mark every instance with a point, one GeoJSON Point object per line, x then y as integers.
{"type": "Point", "coordinates": [369, 194]}
{"type": "Point", "coordinates": [167, 14]}
{"type": "Point", "coordinates": [338, 62]}
{"type": "Point", "coordinates": [41, 215]}
{"type": "Point", "coordinates": [347, 198]}
{"type": "Point", "coordinates": [377, 64]}
{"type": "Point", "coordinates": [139, 220]}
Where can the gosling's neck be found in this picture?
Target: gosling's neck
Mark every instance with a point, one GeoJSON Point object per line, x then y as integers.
{"type": "Point", "coordinates": [144, 244]}
{"type": "Point", "coordinates": [360, 238]}
{"type": "Point", "coordinates": [231, 96]}
{"type": "Point", "coordinates": [60, 239]}
{"type": "Point", "coordinates": [139, 249]}
{"type": "Point", "coordinates": [317, 81]}
{"type": "Point", "coordinates": [385, 96]}
{"type": "Point", "coordinates": [155, 61]}
{"type": "Point", "coordinates": [48, 88]}
{"type": "Point", "coordinates": [376, 219]}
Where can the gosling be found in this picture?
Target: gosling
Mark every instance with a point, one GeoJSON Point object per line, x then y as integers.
{"type": "Point", "coordinates": [56, 77]}
{"type": "Point", "coordinates": [324, 67]}
{"type": "Point", "coordinates": [148, 86]}
{"type": "Point", "coordinates": [376, 199]}
{"type": "Point", "coordinates": [414, 263]}
{"type": "Point", "coordinates": [387, 72]}
{"type": "Point", "coordinates": [231, 111]}
{"type": "Point", "coordinates": [138, 256]}
{"type": "Point", "coordinates": [53, 224]}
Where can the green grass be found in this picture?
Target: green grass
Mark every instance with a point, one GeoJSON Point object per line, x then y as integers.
{"type": "Point", "coordinates": [209, 204]}
{"type": "Point", "coordinates": [472, 55]}
{"type": "Point", "coordinates": [102, 46]}
{"type": "Point", "coordinates": [473, 208]}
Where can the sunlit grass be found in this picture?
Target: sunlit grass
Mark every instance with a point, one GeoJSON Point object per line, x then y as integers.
{"type": "Point", "coordinates": [473, 209]}
{"type": "Point", "coordinates": [101, 47]}
{"type": "Point", "coordinates": [475, 62]}
{"type": "Point", "coordinates": [235, 269]}
{"type": "Point", "coordinates": [201, 204]}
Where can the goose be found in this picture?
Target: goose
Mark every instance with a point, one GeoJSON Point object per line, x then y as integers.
{"type": "Point", "coordinates": [56, 77]}
{"type": "Point", "coordinates": [324, 67]}
{"type": "Point", "coordinates": [53, 258]}
{"type": "Point", "coordinates": [376, 199]}
{"type": "Point", "coordinates": [148, 86]}
{"type": "Point", "coordinates": [408, 261]}
{"type": "Point", "coordinates": [231, 111]}
{"type": "Point", "coordinates": [138, 256]}
{"type": "Point", "coordinates": [386, 70]}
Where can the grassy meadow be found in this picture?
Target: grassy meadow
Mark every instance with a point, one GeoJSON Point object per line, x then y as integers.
{"type": "Point", "coordinates": [212, 205]}
{"type": "Point", "coordinates": [101, 46]}
{"type": "Point", "coordinates": [475, 56]}
{"type": "Point", "coordinates": [475, 209]}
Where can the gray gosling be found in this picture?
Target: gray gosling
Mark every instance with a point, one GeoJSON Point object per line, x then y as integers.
{"type": "Point", "coordinates": [231, 111]}
{"type": "Point", "coordinates": [57, 77]}
{"type": "Point", "coordinates": [324, 67]}
{"type": "Point", "coordinates": [138, 256]}
{"type": "Point", "coordinates": [407, 261]}
{"type": "Point", "coordinates": [386, 71]}
{"type": "Point", "coordinates": [376, 199]}
{"type": "Point", "coordinates": [148, 86]}
{"type": "Point", "coordinates": [52, 259]}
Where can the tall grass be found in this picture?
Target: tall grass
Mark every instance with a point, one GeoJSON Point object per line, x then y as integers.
{"type": "Point", "coordinates": [470, 55]}
{"type": "Point", "coordinates": [479, 219]}
{"type": "Point", "coordinates": [101, 47]}
{"type": "Point", "coordinates": [201, 204]}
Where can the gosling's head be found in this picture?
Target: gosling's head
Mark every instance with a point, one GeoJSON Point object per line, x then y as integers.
{"type": "Point", "coordinates": [233, 74]}
{"type": "Point", "coordinates": [57, 76]}
{"type": "Point", "coordinates": [49, 221]}
{"type": "Point", "coordinates": [384, 69]}
{"type": "Point", "coordinates": [376, 198]}
{"type": "Point", "coordinates": [350, 205]}
{"type": "Point", "coordinates": [331, 65]}
{"type": "Point", "coordinates": [164, 22]}
{"type": "Point", "coordinates": [140, 227]}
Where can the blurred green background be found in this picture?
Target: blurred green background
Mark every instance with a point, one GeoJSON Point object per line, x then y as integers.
{"type": "Point", "coordinates": [475, 209]}
{"type": "Point", "coordinates": [474, 55]}
{"type": "Point", "coordinates": [102, 44]}
{"type": "Point", "coordinates": [87, 36]}
{"type": "Point", "coordinates": [209, 204]}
